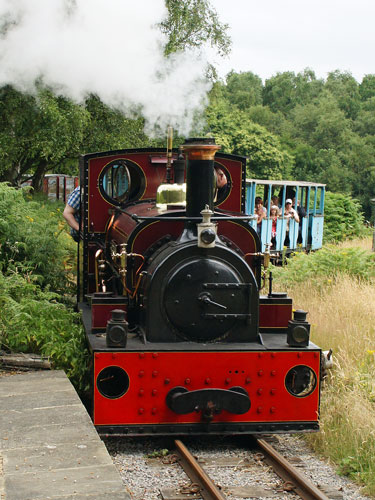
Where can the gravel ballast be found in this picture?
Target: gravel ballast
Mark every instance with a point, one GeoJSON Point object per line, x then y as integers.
{"type": "Point", "coordinates": [144, 478]}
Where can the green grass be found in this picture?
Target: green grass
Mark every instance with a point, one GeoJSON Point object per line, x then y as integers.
{"type": "Point", "coordinates": [336, 287]}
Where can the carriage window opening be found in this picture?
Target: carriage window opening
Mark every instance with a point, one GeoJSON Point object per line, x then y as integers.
{"type": "Point", "coordinates": [319, 203]}
{"type": "Point", "coordinates": [313, 200]}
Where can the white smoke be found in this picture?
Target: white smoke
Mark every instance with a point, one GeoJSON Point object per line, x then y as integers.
{"type": "Point", "coordinates": [111, 48]}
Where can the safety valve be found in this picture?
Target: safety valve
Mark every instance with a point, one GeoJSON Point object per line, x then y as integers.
{"type": "Point", "coordinates": [117, 329]}
{"type": "Point", "coordinates": [298, 330]}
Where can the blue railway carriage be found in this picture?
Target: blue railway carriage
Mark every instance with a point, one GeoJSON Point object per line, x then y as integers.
{"type": "Point", "coordinates": [307, 197]}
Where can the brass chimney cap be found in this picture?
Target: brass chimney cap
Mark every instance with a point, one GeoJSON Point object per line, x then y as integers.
{"type": "Point", "coordinates": [200, 148]}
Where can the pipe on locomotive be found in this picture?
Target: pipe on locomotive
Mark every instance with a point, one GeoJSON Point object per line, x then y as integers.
{"type": "Point", "coordinates": [200, 179]}
{"type": "Point", "coordinates": [169, 155]}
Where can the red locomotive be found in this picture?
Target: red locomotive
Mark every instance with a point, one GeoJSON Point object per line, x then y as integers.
{"type": "Point", "coordinates": [182, 340]}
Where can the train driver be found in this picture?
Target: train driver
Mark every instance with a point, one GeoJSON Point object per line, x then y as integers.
{"type": "Point", "coordinates": [221, 184]}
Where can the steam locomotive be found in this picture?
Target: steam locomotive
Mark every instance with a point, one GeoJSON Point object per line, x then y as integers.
{"type": "Point", "coordinates": [171, 272]}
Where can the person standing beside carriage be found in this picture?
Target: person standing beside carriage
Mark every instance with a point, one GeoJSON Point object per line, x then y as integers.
{"type": "Point", "coordinates": [72, 213]}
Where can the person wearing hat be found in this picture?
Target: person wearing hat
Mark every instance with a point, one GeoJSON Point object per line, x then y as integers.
{"type": "Point", "coordinates": [290, 212]}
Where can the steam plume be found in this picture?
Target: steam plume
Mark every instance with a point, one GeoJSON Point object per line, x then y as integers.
{"type": "Point", "coordinates": [111, 48]}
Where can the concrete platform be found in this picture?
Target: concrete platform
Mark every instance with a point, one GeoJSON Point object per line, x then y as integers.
{"type": "Point", "coordinates": [49, 448]}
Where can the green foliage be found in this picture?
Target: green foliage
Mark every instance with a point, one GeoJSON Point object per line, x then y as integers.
{"type": "Point", "coordinates": [367, 87]}
{"type": "Point", "coordinates": [351, 467]}
{"type": "Point", "coordinates": [192, 23]}
{"type": "Point", "coordinates": [237, 134]}
{"type": "Point", "coordinates": [243, 89]}
{"type": "Point", "coordinates": [46, 132]}
{"type": "Point", "coordinates": [343, 218]}
{"type": "Point", "coordinates": [37, 259]}
{"type": "Point", "coordinates": [305, 165]}
{"type": "Point", "coordinates": [284, 91]}
{"type": "Point", "coordinates": [365, 122]}
{"type": "Point", "coordinates": [345, 88]}
{"type": "Point", "coordinates": [322, 131]}
{"type": "Point", "coordinates": [321, 123]}
{"type": "Point", "coordinates": [34, 240]}
{"type": "Point", "coordinates": [275, 123]}
{"type": "Point", "coordinates": [110, 129]}
{"type": "Point", "coordinates": [327, 263]}
{"type": "Point", "coordinates": [158, 453]}
{"type": "Point", "coordinates": [37, 132]}
{"type": "Point", "coordinates": [33, 320]}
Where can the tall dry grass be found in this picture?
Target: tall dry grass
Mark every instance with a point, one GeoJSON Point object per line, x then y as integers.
{"type": "Point", "coordinates": [342, 314]}
{"type": "Point", "coordinates": [363, 243]}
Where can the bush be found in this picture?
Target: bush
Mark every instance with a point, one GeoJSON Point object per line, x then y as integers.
{"type": "Point", "coordinates": [343, 218]}
{"type": "Point", "coordinates": [33, 320]}
{"type": "Point", "coordinates": [34, 240]}
{"type": "Point", "coordinates": [327, 263]}
{"type": "Point", "coordinates": [37, 265]}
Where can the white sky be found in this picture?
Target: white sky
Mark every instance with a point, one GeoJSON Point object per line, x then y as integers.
{"type": "Point", "coordinates": [271, 36]}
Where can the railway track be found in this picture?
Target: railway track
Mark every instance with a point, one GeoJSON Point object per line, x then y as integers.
{"type": "Point", "coordinates": [239, 468]}
{"type": "Point", "coordinates": [202, 486]}
{"type": "Point", "coordinates": [297, 481]}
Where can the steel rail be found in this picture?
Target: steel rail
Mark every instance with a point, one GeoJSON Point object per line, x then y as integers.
{"type": "Point", "coordinates": [209, 490]}
{"type": "Point", "coordinates": [300, 484]}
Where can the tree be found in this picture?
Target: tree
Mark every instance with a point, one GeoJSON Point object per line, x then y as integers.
{"type": "Point", "coordinates": [358, 158]}
{"type": "Point", "coordinates": [333, 171]}
{"type": "Point", "coordinates": [344, 87]}
{"type": "Point", "coordinates": [237, 134]}
{"type": "Point", "coordinates": [307, 87]}
{"type": "Point", "coordinates": [284, 91]}
{"type": "Point", "coordinates": [37, 133]}
{"type": "Point", "coordinates": [364, 123]}
{"type": "Point", "coordinates": [305, 167]}
{"type": "Point", "coordinates": [278, 92]}
{"type": "Point", "coordinates": [43, 133]}
{"type": "Point", "coordinates": [321, 123]}
{"type": "Point", "coordinates": [109, 129]}
{"type": "Point", "coordinates": [367, 87]}
{"type": "Point", "coordinates": [192, 23]}
{"type": "Point", "coordinates": [243, 89]}
{"type": "Point", "coordinates": [275, 123]}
